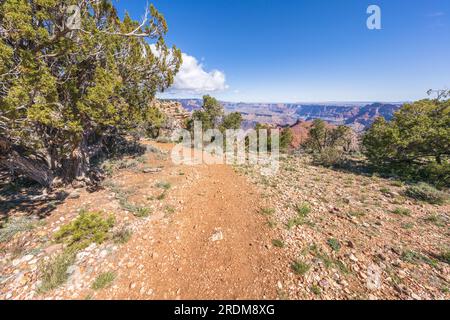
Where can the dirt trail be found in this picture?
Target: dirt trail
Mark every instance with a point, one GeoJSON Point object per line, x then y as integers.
{"type": "Point", "coordinates": [176, 257]}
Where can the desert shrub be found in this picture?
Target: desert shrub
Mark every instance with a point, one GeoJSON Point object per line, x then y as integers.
{"type": "Point", "coordinates": [416, 258]}
{"type": "Point", "coordinates": [163, 185]}
{"type": "Point", "coordinates": [278, 243]}
{"type": "Point", "coordinates": [328, 157]}
{"type": "Point", "coordinates": [300, 268]}
{"type": "Point", "coordinates": [89, 227]}
{"type": "Point", "coordinates": [15, 225]}
{"type": "Point", "coordinates": [334, 244]}
{"type": "Point", "coordinates": [104, 280]}
{"type": "Point", "coordinates": [303, 209]}
{"type": "Point", "coordinates": [122, 235]}
{"type": "Point", "coordinates": [54, 273]}
{"type": "Point", "coordinates": [402, 212]}
{"type": "Point", "coordinates": [267, 211]}
{"type": "Point", "coordinates": [425, 192]}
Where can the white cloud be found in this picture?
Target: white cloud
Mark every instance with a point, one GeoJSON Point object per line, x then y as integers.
{"type": "Point", "coordinates": [193, 78]}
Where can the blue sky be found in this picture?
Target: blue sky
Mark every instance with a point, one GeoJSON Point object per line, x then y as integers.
{"type": "Point", "coordinates": [306, 50]}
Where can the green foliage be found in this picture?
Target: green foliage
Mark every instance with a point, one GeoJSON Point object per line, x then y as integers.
{"type": "Point", "coordinates": [210, 114]}
{"type": "Point", "coordinates": [416, 258]}
{"type": "Point", "coordinates": [87, 228]}
{"type": "Point", "coordinates": [122, 236]}
{"type": "Point", "coordinates": [154, 121]}
{"type": "Point", "coordinates": [402, 212]}
{"type": "Point", "coordinates": [286, 138]}
{"type": "Point", "coordinates": [328, 157]}
{"type": "Point", "coordinates": [64, 90]}
{"type": "Point", "coordinates": [54, 273]}
{"type": "Point", "coordinates": [142, 212]}
{"type": "Point", "coordinates": [316, 290]}
{"type": "Point", "coordinates": [231, 121]}
{"type": "Point", "coordinates": [334, 244]}
{"type": "Point", "coordinates": [328, 144]}
{"type": "Point", "coordinates": [267, 211]}
{"type": "Point", "coordinates": [300, 268]}
{"type": "Point", "coordinates": [14, 226]}
{"type": "Point", "coordinates": [303, 209]}
{"type": "Point", "coordinates": [425, 192]}
{"type": "Point", "coordinates": [163, 185]}
{"type": "Point", "coordinates": [416, 143]}
{"type": "Point", "coordinates": [104, 280]}
{"type": "Point", "coordinates": [278, 243]}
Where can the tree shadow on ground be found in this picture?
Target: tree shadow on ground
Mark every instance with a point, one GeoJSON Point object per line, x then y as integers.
{"type": "Point", "coordinates": [20, 194]}
{"type": "Point", "coordinates": [29, 197]}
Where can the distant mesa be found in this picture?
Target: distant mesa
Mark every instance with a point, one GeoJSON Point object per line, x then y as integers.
{"type": "Point", "coordinates": [358, 116]}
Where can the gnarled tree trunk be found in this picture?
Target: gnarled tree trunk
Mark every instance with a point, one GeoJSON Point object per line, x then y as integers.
{"type": "Point", "coordinates": [27, 166]}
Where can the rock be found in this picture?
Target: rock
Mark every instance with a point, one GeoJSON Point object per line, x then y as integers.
{"type": "Point", "coordinates": [280, 285]}
{"type": "Point", "coordinates": [132, 285]}
{"type": "Point", "coordinates": [350, 244]}
{"type": "Point", "coordinates": [27, 258]}
{"type": "Point", "coordinates": [324, 283]}
{"type": "Point", "coordinates": [353, 258]}
{"type": "Point", "coordinates": [415, 296]}
{"type": "Point", "coordinates": [74, 195]}
{"type": "Point", "coordinates": [103, 253]}
{"type": "Point", "coordinates": [217, 235]}
{"type": "Point", "coordinates": [53, 248]}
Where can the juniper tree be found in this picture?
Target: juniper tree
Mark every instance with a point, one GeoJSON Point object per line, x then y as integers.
{"type": "Point", "coordinates": [419, 131]}
{"type": "Point", "coordinates": [62, 89]}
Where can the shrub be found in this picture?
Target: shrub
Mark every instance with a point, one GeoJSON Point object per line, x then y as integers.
{"type": "Point", "coordinates": [316, 290]}
{"type": "Point", "coordinates": [54, 273]}
{"type": "Point", "coordinates": [278, 243]}
{"type": "Point", "coordinates": [425, 192]}
{"type": "Point", "coordinates": [329, 157]}
{"type": "Point", "coordinates": [402, 212]}
{"type": "Point", "coordinates": [303, 209]}
{"type": "Point", "coordinates": [267, 211]}
{"type": "Point", "coordinates": [142, 212]}
{"type": "Point", "coordinates": [88, 228]}
{"type": "Point", "coordinates": [15, 225]}
{"type": "Point", "coordinates": [122, 236]}
{"type": "Point", "coordinates": [416, 257]}
{"type": "Point", "coordinates": [163, 185]}
{"type": "Point", "coordinates": [300, 268]}
{"type": "Point", "coordinates": [104, 280]}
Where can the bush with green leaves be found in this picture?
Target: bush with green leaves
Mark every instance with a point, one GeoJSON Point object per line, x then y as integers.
{"type": "Point", "coordinates": [415, 144]}
{"type": "Point", "coordinates": [328, 144]}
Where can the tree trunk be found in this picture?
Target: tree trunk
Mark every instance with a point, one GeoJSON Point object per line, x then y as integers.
{"type": "Point", "coordinates": [30, 168]}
